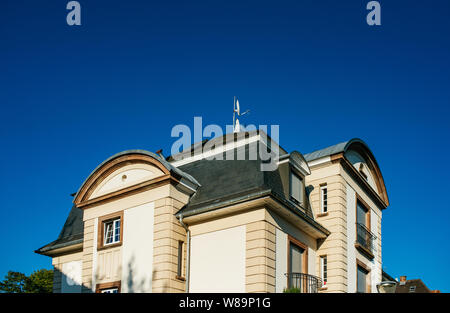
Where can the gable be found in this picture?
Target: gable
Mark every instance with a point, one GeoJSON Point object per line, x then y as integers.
{"type": "Point", "coordinates": [121, 174]}
{"type": "Point", "coordinates": [360, 164]}
{"type": "Point", "coordinates": [361, 158]}
{"type": "Point", "coordinates": [126, 176]}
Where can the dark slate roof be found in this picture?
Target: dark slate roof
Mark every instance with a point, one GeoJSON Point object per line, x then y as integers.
{"type": "Point", "coordinates": [418, 283]}
{"type": "Point", "coordinates": [337, 148]}
{"type": "Point", "coordinates": [71, 233]}
{"type": "Point", "coordinates": [326, 151]}
{"type": "Point", "coordinates": [224, 182]}
{"type": "Point", "coordinates": [216, 181]}
{"type": "Point", "coordinates": [221, 140]}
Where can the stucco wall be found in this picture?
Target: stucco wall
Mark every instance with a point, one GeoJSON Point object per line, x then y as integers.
{"type": "Point", "coordinates": [341, 221]}
{"type": "Point", "coordinates": [335, 246]}
{"type": "Point", "coordinates": [151, 234]}
{"type": "Point", "coordinates": [375, 265]}
{"type": "Point", "coordinates": [281, 260]}
{"type": "Point", "coordinates": [137, 250]}
{"type": "Point", "coordinates": [265, 248]}
{"type": "Point", "coordinates": [67, 269]}
{"type": "Point", "coordinates": [218, 261]}
{"type": "Point", "coordinates": [351, 231]}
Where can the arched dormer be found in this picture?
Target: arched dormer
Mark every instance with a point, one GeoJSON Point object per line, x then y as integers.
{"type": "Point", "coordinates": [130, 172]}
{"type": "Point", "coordinates": [299, 161]}
{"type": "Point", "coordinates": [359, 155]}
{"type": "Point", "coordinates": [356, 156]}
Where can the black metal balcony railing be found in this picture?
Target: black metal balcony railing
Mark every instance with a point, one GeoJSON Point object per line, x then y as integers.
{"type": "Point", "coordinates": [303, 283]}
{"type": "Point", "coordinates": [364, 237]}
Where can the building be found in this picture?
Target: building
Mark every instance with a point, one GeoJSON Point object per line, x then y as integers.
{"type": "Point", "coordinates": [144, 223]}
{"type": "Point", "coordinates": [412, 286]}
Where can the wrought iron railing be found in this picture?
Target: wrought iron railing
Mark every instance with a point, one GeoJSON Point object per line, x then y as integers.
{"type": "Point", "coordinates": [364, 237]}
{"type": "Point", "coordinates": [303, 283]}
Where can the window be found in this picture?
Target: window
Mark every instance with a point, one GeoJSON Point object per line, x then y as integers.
{"type": "Point", "coordinates": [364, 237]}
{"type": "Point", "coordinates": [296, 256]}
{"type": "Point", "coordinates": [295, 279]}
{"type": "Point", "coordinates": [361, 214]}
{"type": "Point", "coordinates": [297, 264]}
{"type": "Point", "coordinates": [323, 269]}
{"type": "Point", "coordinates": [324, 199]}
{"type": "Point", "coordinates": [412, 289]}
{"type": "Point", "coordinates": [296, 188]}
{"type": "Point", "coordinates": [112, 232]}
{"type": "Point", "coordinates": [110, 290]}
{"type": "Point", "coordinates": [112, 287]}
{"type": "Point", "coordinates": [180, 260]}
{"type": "Point", "coordinates": [361, 279]}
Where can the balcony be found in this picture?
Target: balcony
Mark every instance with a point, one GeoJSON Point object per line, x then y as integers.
{"type": "Point", "coordinates": [364, 240]}
{"type": "Point", "coordinates": [303, 283]}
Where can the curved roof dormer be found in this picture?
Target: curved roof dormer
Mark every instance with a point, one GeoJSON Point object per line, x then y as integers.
{"type": "Point", "coordinates": [359, 156]}
{"type": "Point", "coordinates": [297, 159]}
{"type": "Point", "coordinates": [358, 153]}
{"type": "Point", "coordinates": [129, 172]}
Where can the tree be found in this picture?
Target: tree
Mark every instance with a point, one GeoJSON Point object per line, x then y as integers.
{"type": "Point", "coordinates": [14, 282]}
{"type": "Point", "coordinates": [40, 281]}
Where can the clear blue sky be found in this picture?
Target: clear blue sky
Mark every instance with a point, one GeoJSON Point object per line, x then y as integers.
{"type": "Point", "coordinates": [73, 96]}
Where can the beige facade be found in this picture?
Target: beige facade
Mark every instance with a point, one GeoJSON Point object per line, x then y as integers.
{"type": "Point", "coordinates": [335, 220]}
{"type": "Point", "coordinates": [65, 279]}
{"type": "Point", "coordinates": [345, 186]}
{"type": "Point", "coordinates": [244, 246]}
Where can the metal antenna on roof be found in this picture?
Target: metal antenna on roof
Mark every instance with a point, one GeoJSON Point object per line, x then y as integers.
{"type": "Point", "coordinates": [237, 109]}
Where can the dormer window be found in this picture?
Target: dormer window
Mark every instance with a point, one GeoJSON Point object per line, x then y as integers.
{"type": "Point", "coordinates": [296, 188]}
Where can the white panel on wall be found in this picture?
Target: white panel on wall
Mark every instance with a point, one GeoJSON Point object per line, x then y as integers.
{"type": "Point", "coordinates": [218, 261]}
{"type": "Point", "coordinates": [280, 260]}
{"type": "Point", "coordinates": [376, 269]}
{"type": "Point", "coordinates": [311, 261]}
{"type": "Point", "coordinates": [137, 249]}
{"type": "Point", "coordinates": [94, 257]}
{"type": "Point", "coordinates": [71, 277]}
{"type": "Point", "coordinates": [351, 238]}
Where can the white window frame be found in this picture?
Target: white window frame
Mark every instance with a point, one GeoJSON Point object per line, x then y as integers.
{"type": "Point", "coordinates": [322, 270]}
{"type": "Point", "coordinates": [323, 209]}
{"type": "Point", "coordinates": [116, 231]}
{"type": "Point", "coordinates": [110, 290]}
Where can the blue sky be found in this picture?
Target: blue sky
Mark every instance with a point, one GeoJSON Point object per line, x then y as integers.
{"type": "Point", "coordinates": [71, 96]}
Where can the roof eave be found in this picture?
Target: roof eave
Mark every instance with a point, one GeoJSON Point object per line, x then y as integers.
{"type": "Point", "coordinates": [321, 231]}
{"type": "Point", "coordinates": [61, 248]}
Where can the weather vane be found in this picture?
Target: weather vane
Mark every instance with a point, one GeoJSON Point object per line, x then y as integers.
{"type": "Point", "coordinates": [237, 110]}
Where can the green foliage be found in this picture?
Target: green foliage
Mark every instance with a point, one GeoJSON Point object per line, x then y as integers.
{"type": "Point", "coordinates": [40, 281]}
{"type": "Point", "coordinates": [14, 282]}
{"type": "Point", "coordinates": [292, 290]}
